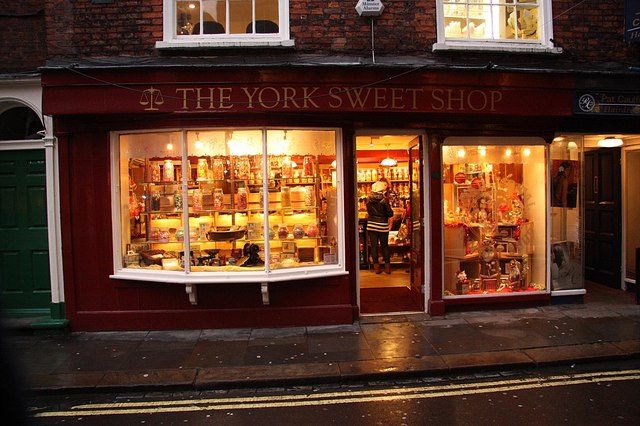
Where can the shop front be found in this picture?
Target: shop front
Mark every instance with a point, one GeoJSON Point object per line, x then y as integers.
{"type": "Point", "coordinates": [216, 198]}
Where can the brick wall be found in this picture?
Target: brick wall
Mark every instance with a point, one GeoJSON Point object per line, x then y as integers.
{"type": "Point", "coordinates": [589, 31]}
{"type": "Point", "coordinates": [22, 44]}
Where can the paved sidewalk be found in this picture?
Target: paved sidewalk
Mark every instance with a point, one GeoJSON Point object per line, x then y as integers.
{"type": "Point", "coordinates": [606, 327]}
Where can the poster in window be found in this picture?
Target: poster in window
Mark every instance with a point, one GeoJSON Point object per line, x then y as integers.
{"type": "Point", "coordinates": [564, 183]}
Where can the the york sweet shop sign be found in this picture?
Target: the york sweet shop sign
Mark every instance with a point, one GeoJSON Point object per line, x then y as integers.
{"type": "Point", "coordinates": [163, 97]}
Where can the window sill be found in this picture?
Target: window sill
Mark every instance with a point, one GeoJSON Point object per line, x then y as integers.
{"type": "Point", "coordinates": [229, 43]}
{"type": "Point", "coordinates": [191, 281]}
{"type": "Point", "coordinates": [495, 47]}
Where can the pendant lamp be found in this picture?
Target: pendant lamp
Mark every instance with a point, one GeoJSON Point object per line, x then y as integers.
{"type": "Point", "coordinates": [610, 142]}
{"type": "Point", "coordinates": [388, 161]}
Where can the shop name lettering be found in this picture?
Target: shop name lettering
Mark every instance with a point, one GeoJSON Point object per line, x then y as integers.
{"type": "Point", "coordinates": [321, 98]}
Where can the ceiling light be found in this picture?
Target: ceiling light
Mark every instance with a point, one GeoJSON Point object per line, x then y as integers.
{"type": "Point", "coordinates": [388, 162]}
{"type": "Point", "coordinates": [508, 152]}
{"type": "Point", "coordinates": [482, 150]}
{"type": "Point", "coordinates": [572, 145]}
{"type": "Point", "coordinates": [526, 152]}
{"type": "Point", "coordinates": [610, 142]}
{"type": "Point", "coordinates": [461, 153]}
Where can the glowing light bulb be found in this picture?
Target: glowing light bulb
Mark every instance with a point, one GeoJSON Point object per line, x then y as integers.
{"type": "Point", "coordinates": [526, 152]}
{"type": "Point", "coordinates": [461, 153]}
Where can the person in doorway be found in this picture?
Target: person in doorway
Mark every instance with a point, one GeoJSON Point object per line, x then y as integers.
{"type": "Point", "coordinates": [379, 212]}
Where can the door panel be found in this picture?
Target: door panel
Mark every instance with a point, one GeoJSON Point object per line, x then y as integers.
{"type": "Point", "coordinates": [24, 252]}
{"type": "Point", "coordinates": [416, 215]}
{"type": "Point", "coordinates": [603, 217]}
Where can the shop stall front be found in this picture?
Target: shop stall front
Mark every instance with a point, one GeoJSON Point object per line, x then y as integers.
{"type": "Point", "coordinates": [219, 197]}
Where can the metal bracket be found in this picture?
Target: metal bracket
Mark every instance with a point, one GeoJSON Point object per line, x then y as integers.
{"type": "Point", "coordinates": [264, 288]}
{"type": "Point", "coordinates": [192, 292]}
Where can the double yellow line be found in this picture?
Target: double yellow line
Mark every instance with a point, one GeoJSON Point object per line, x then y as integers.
{"type": "Point", "coordinates": [341, 397]}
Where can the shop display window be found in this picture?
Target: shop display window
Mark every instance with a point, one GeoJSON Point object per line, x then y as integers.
{"type": "Point", "coordinates": [219, 201]}
{"type": "Point", "coordinates": [494, 218]}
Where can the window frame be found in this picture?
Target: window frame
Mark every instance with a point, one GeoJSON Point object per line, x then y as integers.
{"type": "Point", "coordinates": [170, 40]}
{"type": "Point", "coordinates": [201, 277]}
{"type": "Point", "coordinates": [542, 45]}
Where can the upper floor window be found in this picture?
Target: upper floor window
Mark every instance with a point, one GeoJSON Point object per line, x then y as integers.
{"type": "Point", "coordinates": [221, 23]}
{"type": "Point", "coordinates": [494, 24]}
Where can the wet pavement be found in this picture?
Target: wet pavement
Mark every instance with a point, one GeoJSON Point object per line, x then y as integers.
{"type": "Point", "coordinates": [605, 327]}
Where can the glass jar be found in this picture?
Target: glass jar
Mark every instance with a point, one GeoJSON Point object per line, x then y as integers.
{"type": "Point", "coordinates": [283, 232]}
{"type": "Point", "coordinates": [193, 233]}
{"type": "Point", "coordinates": [242, 199]}
{"type": "Point", "coordinates": [312, 230]}
{"type": "Point", "coordinates": [177, 200]}
{"type": "Point", "coordinates": [298, 231]}
{"type": "Point", "coordinates": [154, 234]}
{"type": "Point", "coordinates": [218, 199]}
{"type": "Point", "coordinates": [197, 200]}
{"type": "Point", "coordinates": [285, 196]}
{"type": "Point", "coordinates": [180, 234]}
{"type": "Point", "coordinates": [155, 201]}
{"type": "Point", "coordinates": [287, 167]}
{"type": "Point", "coordinates": [155, 172]}
{"type": "Point", "coordinates": [307, 166]}
{"type": "Point", "coordinates": [164, 235]}
{"type": "Point", "coordinates": [310, 196]}
{"type": "Point", "coordinates": [243, 168]}
{"type": "Point", "coordinates": [203, 169]}
{"type": "Point", "coordinates": [167, 174]}
{"type": "Point", "coordinates": [218, 168]}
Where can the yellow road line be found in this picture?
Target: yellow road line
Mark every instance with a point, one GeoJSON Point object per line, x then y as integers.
{"type": "Point", "coordinates": [333, 398]}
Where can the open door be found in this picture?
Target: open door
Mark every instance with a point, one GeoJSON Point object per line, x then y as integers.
{"type": "Point", "coordinates": [386, 287]}
{"type": "Point", "coordinates": [416, 215]}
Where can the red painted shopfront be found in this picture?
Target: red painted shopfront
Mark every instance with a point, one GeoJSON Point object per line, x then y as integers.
{"type": "Point", "coordinates": [116, 127]}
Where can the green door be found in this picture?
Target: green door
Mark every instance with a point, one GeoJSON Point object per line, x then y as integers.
{"type": "Point", "coordinates": [24, 248]}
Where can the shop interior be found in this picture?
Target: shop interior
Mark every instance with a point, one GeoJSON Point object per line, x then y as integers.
{"type": "Point", "coordinates": [385, 157]}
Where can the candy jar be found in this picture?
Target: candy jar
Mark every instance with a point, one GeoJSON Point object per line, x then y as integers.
{"type": "Point", "coordinates": [154, 234]}
{"type": "Point", "coordinates": [177, 200]}
{"type": "Point", "coordinates": [285, 196]}
{"type": "Point", "coordinates": [193, 233]}
{"type": "Point", "coordinates": [197, 200]}
{"type": "Point", "coordinates": [218, 168]}
{"type": "Point", "coordinates": [287, 167]}
{"type": "Point", "coordinates": [218, 199]}
{"type": "Point", "coordinates": [155, 171]}
{"type": "Point", "coordinates": [307, 166]}
{"type": "Point", "coordinates": [298, 231]}
{"type": "Point", "coordinates": [180, 234]}
{"type": "Point", "coordinates": [155, 201]}
{"type": "Point", "coordinates": [242, 199]}
{"type": "Point", "coordinates": [203, 169]}
{"type": "Point", "coordinates": [283, 232]}
{"type": "Point", "coordinates": [309, 196]}
{"type": "Point", "coordinates": [312, 230]}
{"type": "Point", "coordinates": [167, 174]}
{"type": "Point", "coordinates": [164, 235]}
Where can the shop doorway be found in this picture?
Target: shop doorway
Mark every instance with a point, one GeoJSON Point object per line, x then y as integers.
{"type": "Point", "coordinates": [397, 285]}
{"type": "Point", "coordinates": [603, 233]}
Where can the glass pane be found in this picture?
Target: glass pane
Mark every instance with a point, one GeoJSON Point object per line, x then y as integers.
{"type": "Point", "coordinates": [225, 215]}
{"type": "Point", "coordinates": [151, 202]}
{"type": "Point", "coordinates": [187, 16]}
{"type": "Point", "coordinates": [494, 226]}
{"type": "Point", "coordinates": [214, 16]}
{"type": "Point", "coordinates": [267, 16]}
{"type": "Point", "coordinates": [566, 239]}
{"type": "Point", "coordinates": [240, 16]}
{"type": "Point", "coordinates": [302, 198]}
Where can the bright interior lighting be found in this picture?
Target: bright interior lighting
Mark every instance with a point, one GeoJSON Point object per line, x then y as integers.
{"type": "Point", "coordinates": [508, 152]}
{"type": "Point", "coordinates": [610, 142]}
{"type": "Point", "coordinates": [388, 162]}
{"type": "Point", "coordinates": [199, 144]}
{"type": "Point", "coordinates": [461, 153]}
{"type": "Point", "coordinates": [169, 146]}
{"type": "Point", "coordinates": [482, 150]}
{"type": "Point", "coordinates": [526, 152]}
{"type": "Point", "coordinates": [572, 145]}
